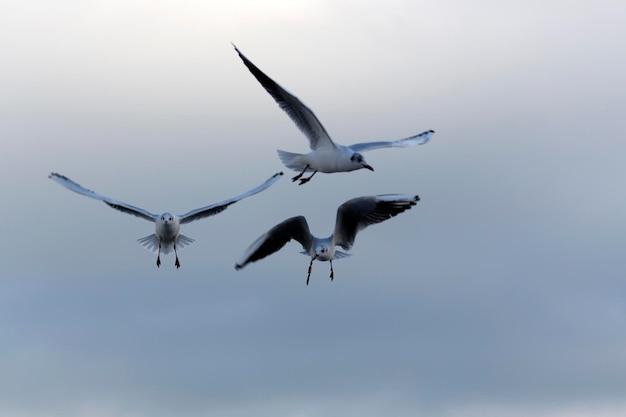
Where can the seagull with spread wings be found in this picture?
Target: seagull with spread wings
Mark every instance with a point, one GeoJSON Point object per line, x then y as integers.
{"type": "Point", "coordinates": [352, 216]}
{"type": "Point", "coordinates": [167, 234]}
{"type": "Point", "coordinates": [326, 155]}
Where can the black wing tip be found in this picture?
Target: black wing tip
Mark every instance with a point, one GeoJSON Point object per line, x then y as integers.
{"type": "Point", "coordinates": [238, 267]}
{"type": "Point", "coordinates": [56, 174]}
{"type": "Point", "coordinates": [413, 201]}
{"type": "Point", "coordinates": [278, 174]}
{"type": "Point", "coordinates": [241, 55]}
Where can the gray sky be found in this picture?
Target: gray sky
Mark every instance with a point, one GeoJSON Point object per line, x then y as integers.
{"type": "Point", "coordinates": [502, 293]}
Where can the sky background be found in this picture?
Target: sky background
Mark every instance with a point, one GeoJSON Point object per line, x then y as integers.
{"type": "Point", "coordinates": [502, 293]}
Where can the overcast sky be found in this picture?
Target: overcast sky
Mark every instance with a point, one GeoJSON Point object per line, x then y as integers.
{"type": "Point", "coordinates": [502, 293]}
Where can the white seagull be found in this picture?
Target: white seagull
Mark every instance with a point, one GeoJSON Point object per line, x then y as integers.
{"type": "Point", "coordinates": [167, 234]}
{"type": "Point", "coordinates": [326, 156]}
{"type": "Point", "coordinates": [352, 216]}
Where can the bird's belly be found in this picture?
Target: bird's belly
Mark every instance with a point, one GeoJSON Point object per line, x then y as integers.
{"type": "Point", "coordinates": [167, 234]}
{"type": "Point", "coordinates": [328, 161]}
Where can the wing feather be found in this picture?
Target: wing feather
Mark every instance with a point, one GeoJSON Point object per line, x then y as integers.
{"type": "Point", "coordinates": [117, 205]}
{"type": "Point", "coordinates": [356, 214]}
{"type": "Point", "coordinates": [300, 114]}
{"type": "Point", "coordinates": [273, 240]}
{"type": "Point", "coordinates": [216, 208]}
{"type": "Point", "coordinates": [419, 139]}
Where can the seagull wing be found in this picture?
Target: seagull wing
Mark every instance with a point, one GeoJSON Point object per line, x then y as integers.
{"type": "Point", "coordinates": [277, 237]}
{"type": "Point", "coordinates": [207, 211]}
{"type": "Point", "coordinates": [419, 139]}
{"type": "Point", "coordinates": [301, 115]}
{"type": "Point", "coordinates": [356, 214]}
{"type": "Point", "coordinates": [117, 205]}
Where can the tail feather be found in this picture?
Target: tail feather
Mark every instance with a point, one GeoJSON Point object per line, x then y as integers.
{"type": "Point", "coordinates": [182, 241]}
{"type": "Point", "coordinates": [338, 254]}
{"type": "Point", "coordinates": [152, 243]}
{"type": "Point", "coordinates": [292, 160]}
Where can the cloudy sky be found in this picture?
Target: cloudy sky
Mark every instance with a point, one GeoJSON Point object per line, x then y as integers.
{"type": "Point", "coordinates": [502, 293]}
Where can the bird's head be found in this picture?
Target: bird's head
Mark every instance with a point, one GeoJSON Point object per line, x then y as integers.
{"type": "Point", "coordinates": [166, 218]}
{"type": "Point", "coordinates": [324, 252]}
{"type": "Point", "coordinates": [358, 159]}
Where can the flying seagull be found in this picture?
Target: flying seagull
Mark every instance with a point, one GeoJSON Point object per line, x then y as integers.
{"type": "Point", "coordinates": [326, 155]}
{"type": "Point", "coordinates": [352, 216]}
{"type": "Point", "coordinates": [167, 234]}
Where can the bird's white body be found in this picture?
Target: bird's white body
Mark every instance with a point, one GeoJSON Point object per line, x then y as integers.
{"type": "Point", "coordinates": [323, 249]}
{"type": "Point", "coordinates": [166, 235]}
{"type": "Point", "coordinates": [167, 228]}
{"type": "Point", "coordinates": [326, 159]}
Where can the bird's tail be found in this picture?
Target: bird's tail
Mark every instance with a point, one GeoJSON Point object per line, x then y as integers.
{"type": "Point", "coordinates": [291, 160]}
{"type": "Point", "coordinates": [152, 243]}
{"type": "Point", "coordinates": [149, 242]}
{"type": "Point", "coordinates": [182, 241]}
{"type": "Point", "coordinates": [338, 254]}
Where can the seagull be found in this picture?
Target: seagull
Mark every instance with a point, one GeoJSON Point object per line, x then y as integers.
{"type": "Point", "coordinates": [167, 226]}
{"type": "Point", "coordinates": [326, 155]}
{"type": "Point", "coordinates": [352, 216]}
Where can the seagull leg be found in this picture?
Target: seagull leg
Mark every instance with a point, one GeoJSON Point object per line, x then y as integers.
{"type": "Point", "coordinates": [332, 274]}
{"type": "Point", "coordinates": [159, 256]}
{"type": "Point", "coordinates": [176, 253]}
{"type": "Point", "coordinates": [297, 177]}
{"type": "Point", "coordinates": [305, 180]}
{"type": "Point", "coordinates": [310, 268]}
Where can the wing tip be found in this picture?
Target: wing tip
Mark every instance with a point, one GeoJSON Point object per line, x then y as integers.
{"type": "Point", "coordinates": [271, 180]}
{"type": "Point", "coordinates": [426, 136]}
{"type": "Point", "coordinates": [54, 175]}
{"type": "Point", "coordinates": [397, 197]}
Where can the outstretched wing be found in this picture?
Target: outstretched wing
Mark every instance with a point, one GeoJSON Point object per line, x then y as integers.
{"type": "Point", "coordinates": [301, 115]}
{"type": "Point", "coordinates": [222, 205]}
{"type": "Point", "coordinates": [419, 139]}
{"type": "Point", "coordinates": [118, 205]}
{"type": "Point", "coordinates": [356, 214]}
{"type": "Point", "coordinates": [277, 237]}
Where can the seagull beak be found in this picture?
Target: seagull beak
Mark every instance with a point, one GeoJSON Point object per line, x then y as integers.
{"type": "Point", "coordinates": [368, 167]}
